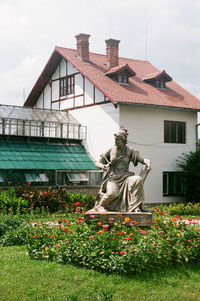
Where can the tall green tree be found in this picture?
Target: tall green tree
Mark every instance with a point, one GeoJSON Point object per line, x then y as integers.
{"type": "Point", "coordinates": [190, 165]}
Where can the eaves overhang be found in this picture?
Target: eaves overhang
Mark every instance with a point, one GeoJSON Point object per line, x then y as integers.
{"type": "Point", "coordinates": [156, 106]}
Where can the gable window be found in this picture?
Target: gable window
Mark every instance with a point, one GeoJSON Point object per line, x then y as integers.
{"type": "Point", "coordinates": [123, 79]}
{"type": "Point", "coordinates": [174, 131]}
{"type": "Point", "coordinates": [67, 85]}
{"type": "Point", "coordinates": [173, 183]}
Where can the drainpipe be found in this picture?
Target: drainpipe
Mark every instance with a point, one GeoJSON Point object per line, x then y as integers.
{"type": "Point", "coordinates": [197, 142]}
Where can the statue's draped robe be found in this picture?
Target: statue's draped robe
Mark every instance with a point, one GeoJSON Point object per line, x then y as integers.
{"type": "Point", "coordinates": [119, 182]}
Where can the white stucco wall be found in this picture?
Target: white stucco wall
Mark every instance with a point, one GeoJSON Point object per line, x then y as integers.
{"type": "Point", "coordinates": [102, 122]}
{"type": "Point", "coordinates": [146, 134]}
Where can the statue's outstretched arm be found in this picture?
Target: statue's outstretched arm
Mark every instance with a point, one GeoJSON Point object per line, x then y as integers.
{"type": "Point", "coordinates": [103, 163]}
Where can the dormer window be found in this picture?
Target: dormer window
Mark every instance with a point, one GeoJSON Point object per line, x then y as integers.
{"type": "Point", "coordinates": [121, 74]}
{"type": "Point", "coordinates": [160, 84]}
{"type": "Point", "coordinates": [123, 79]}
{"type": "Point", "coordinates": [157, 79]}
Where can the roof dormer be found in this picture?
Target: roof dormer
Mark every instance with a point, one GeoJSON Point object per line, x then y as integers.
{"type": "Point", "coordinates": [121, 74]}
{"type": "Point", "coordinates": [157, 79]}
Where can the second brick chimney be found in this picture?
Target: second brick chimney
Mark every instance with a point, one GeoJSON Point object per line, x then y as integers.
{"type": "Point", "coordinates": [112, 49]}
{"type": "Point", "coordinates": [83, 46]}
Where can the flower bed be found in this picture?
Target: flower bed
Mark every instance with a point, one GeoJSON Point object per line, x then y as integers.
{"type": "Point", "coordinates": [115, 248]}
{"type": "Point", "coordinates": [182, 209]}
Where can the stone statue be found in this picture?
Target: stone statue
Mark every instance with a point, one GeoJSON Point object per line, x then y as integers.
{"type": "Point", "coordinates": [121, 190]}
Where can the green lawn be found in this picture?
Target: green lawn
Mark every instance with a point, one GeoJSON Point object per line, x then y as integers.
{"type": "Point", "coordinates": [24, 279]}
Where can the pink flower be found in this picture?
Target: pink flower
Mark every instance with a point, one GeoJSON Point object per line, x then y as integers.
{"type": "Point", "coordinates": [105, 226]}
{"type": "Point", "coordinates": [91, 237]}
{"type": "Point", "coordinates": [101, 252]}
{"type": "Point", "coordinates": [111, 219]}
{"type": "Point", "coordinates": [92, 216]}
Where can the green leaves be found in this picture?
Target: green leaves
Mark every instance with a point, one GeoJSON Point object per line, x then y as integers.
{"type": "Point", "coordinates": [190, 165]}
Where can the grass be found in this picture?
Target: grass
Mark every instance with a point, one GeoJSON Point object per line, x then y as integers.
{"type": "Point", "coordinates": [23, 279]}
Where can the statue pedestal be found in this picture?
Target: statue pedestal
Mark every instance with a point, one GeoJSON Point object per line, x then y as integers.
{"type": "Point", "coordinates": [143, 219]}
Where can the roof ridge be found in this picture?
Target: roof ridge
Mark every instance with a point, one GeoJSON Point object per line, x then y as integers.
{"type": "Point", "coordinates": [101, 54]}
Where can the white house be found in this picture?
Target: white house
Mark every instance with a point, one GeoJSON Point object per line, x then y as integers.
{"type": "Point", "coordinates": [104, 92]}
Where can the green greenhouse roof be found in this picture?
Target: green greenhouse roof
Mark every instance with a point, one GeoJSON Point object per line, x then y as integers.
{"type": "Point", "coordinates": [44, 156]}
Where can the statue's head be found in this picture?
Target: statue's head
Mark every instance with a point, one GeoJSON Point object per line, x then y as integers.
{"type": "Point", "coordinates": [122, 134]}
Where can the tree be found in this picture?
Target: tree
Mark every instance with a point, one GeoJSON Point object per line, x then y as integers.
{"type": "Point", "coordinates": [190, 165]}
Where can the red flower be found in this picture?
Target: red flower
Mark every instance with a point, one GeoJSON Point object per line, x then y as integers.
{"type": "Point", "coordinates": [77, 204]}
{"type": "Point", "coordinates": [122, 253]}
{"type": "Point", "coordinates": [29, 183]}
{"type": "Point", "coordinates": [160, 212]}
{"type": "Point", "coordinates": [44, 192]}
{"type": "Point", "coordinates": [91, 237]}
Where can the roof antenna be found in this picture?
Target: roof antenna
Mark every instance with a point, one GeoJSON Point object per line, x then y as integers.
{"type": "Point", "coordinates": [145, 44]}
{"type": "Point", "coordinates": [24, 95]}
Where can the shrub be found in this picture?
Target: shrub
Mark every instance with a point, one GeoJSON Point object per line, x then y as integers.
{"type": "Point", "coordinates": [12, 229]}
{"type": "Point", "coordinates": [190, 165]}
{"type": "Point", "coordinates": [181, 209]}
{"type": "Point", "coordinates": [23, 200]}
{"type": "Point", "coordinates": [9, 202]}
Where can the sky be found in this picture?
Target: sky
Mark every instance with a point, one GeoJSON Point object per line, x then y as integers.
{"type": "Point", "coordinates": [164, 32]}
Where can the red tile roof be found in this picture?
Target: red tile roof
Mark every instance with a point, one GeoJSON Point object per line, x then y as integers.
{"type": "Point", "coordinates": [137, 92]}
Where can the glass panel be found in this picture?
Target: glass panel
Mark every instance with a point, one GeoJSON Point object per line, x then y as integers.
{"type": "Point", "coordinates": [77, 177]}
{"type": "Point", "coordinates": [1, 179]}
{"type": "Point", "coordinates": [43, 177]}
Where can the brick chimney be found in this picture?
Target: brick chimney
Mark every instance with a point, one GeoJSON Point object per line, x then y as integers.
{"type": "Point", "coordinates": [83, 46]}
{"type": "Point", "coordinates": [112, 49]}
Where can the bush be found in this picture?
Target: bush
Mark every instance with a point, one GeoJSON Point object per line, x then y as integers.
{"type": "Point", "coordinates": [23, 200]}
{"type": "Point", "coordinates": [12, 229]}
{"type": "Point", "coordinates": [115, 248]}
{"type": "Point", "coordinates": [190, 165]}
{"type": "Point", "coordinates": [9, 202]}
{"type": "Point", "coordinates": [181, 209]}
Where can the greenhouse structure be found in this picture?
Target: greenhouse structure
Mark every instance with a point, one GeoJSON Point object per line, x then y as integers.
{"type": "Point", "coordinates": [43, 147]}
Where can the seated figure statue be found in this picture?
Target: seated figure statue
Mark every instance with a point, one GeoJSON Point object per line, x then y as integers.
{"type": "Point", "coordinates": [121, 190]}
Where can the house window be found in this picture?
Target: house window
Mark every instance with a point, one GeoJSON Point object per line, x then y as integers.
{"type": "Point", "coordinates": [173, 183]}
{"type": "Point", "coordinates": [123, 79]}
{"type": "Point", "coordinates": [174, 132]}
{"type": "Point", "coordinates": [160, 84]}
{"type": "Point", "coordinates": [67, 85]}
